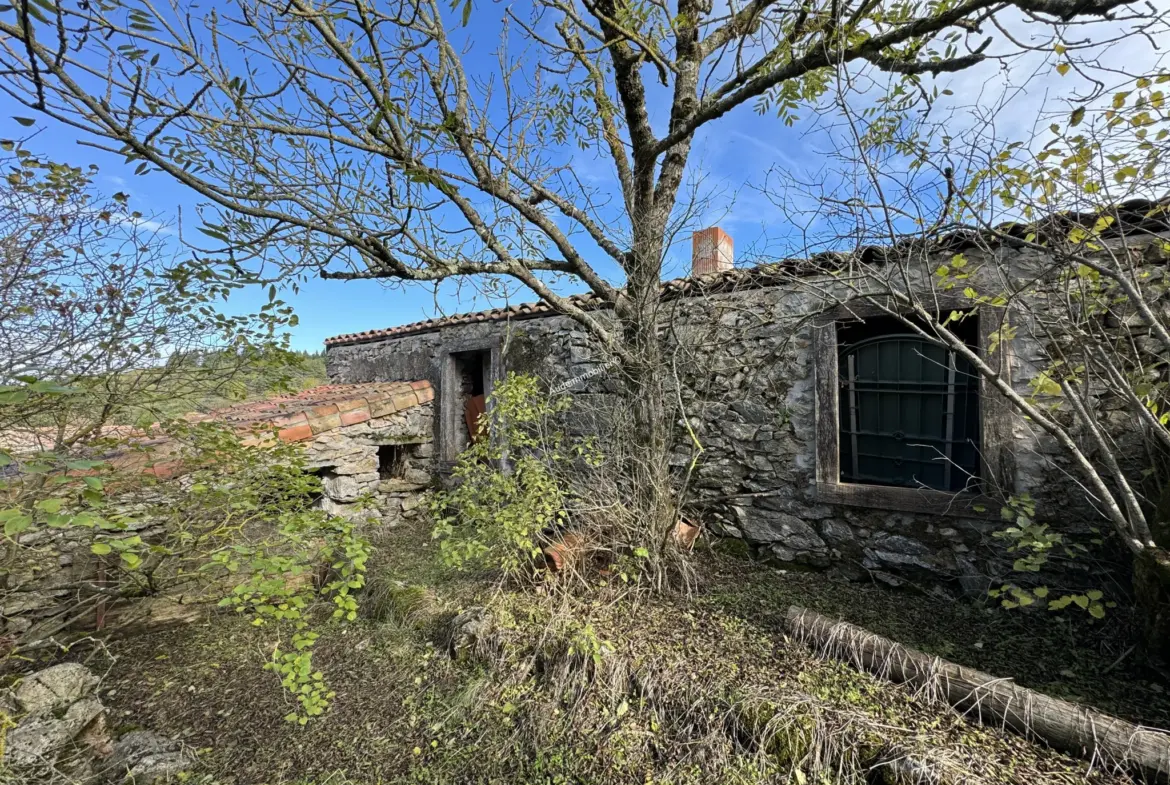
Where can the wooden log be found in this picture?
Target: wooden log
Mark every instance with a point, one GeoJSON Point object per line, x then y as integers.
{"type": "Point", "coordinates": [1065, 726]}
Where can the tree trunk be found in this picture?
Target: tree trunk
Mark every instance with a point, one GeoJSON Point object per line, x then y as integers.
{"type": "Point", "coordinates": [1151, 584]}
{"type": "Point", "coordinates": [649, 447]}
{"type": "Point", "coordinates": [647, 391]}
{"type": "Point", "coordinates": [996, 702]}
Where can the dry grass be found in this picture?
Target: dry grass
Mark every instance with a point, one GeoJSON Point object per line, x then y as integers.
{"type": "Point", "coordinates": [1066, 655]}
{"type": "Point", "coordinates": [615, 687]}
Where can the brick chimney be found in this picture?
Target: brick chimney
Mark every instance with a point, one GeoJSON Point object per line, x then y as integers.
{"type": "Point", "coordinates": [712, 251]}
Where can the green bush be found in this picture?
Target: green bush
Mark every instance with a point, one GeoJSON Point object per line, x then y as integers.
{"type": "Point", "coordinates": [240, 521]}
{"type": "Point", "coordinates": [511, 493]}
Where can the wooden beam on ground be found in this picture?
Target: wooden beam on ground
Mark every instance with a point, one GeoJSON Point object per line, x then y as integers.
{"type": "Point", "coordinates": [1064, 726]}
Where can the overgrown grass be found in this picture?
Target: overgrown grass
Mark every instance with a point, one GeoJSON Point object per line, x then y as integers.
{"type": "Point", "coordinates": [1067, 655]}
{"type": "Point", "coordinates": [613, 688]}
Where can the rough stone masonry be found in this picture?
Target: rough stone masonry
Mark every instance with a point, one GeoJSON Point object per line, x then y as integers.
{"type": "Point", "coordinates": [369, 443]}
{"type": "Point", "coordinates": [749, 345]}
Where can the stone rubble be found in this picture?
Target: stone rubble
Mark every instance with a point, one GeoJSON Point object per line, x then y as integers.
{"type": "Point", "coordinates": [57, 732]}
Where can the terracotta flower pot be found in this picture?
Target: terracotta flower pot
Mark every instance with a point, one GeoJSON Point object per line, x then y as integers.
{"type": "Point", "coordinates": [564, 553]}
{"type": "Point", "coordinates": [685, 534]}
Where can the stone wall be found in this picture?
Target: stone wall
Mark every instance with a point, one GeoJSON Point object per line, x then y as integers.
{"type": "Point", "coordinates": [746, 364]}
{"type": "Point", "coordinates": [376, 468]}
{"type": "Point", "coordinates": [57, 731]}
{"type": "Point", "coordinates": [56, 566]}
{"type": "Point", "coordinates": [54, 569]}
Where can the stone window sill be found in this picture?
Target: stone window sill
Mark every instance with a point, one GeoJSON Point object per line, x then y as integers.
{"type": "Point", "coordinates": [963, 504]}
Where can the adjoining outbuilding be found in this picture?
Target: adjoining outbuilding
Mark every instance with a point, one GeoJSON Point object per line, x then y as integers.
{"type": "Point", "coordinates": [370, 443]}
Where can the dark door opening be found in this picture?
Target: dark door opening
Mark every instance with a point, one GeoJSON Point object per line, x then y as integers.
{"type": "Point", "coordinates": [471, 378]}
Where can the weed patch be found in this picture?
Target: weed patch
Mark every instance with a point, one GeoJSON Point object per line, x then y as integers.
{"type": "Point", "coordinates": [609, 687]}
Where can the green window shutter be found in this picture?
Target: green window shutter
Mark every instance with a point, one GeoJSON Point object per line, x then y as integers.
{"type": "Point", "coordinates": [909, 414]}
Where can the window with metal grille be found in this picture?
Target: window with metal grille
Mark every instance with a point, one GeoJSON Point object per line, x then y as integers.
{"type": "Point", "coordinates": [909, 408]}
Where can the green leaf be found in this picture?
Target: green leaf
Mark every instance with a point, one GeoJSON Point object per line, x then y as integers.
{"type": "Point", "coordinates": [1097, 610]}
{"type": "Point", "coordinates": [10, 395]}
{"type": "Point", "coordinates": [49, 505]}
{"type": "Point", "coordinates": [100, 548]}
{"type": "Point", "coordinates": [25, 121]}
{"type": "Point", "coordinates": [1045, 385]}
{"type": "Point", "coordinates": [1077, 115]}
{"type": "Point", "coordinates": [16, 524]}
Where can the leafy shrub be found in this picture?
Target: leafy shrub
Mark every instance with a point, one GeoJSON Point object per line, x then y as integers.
{"type": "Point", "coordinates": [511, 495]}
{"type": "Point", "coordinates": [1032, 544]}
{"type": "Point", "coordinates": [240, 521]}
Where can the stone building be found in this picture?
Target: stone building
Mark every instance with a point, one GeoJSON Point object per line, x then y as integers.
{"type": "Point", "coordinates": [370, 443]}
{"type": "Point", "coordinates": [832, 438]}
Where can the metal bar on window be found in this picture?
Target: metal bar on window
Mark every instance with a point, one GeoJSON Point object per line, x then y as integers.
{"type": "Point", "coordinates": [950, 420]}
{"type": "Point", "coordinates": [853, 410]}
{"type": "Point", "coordinates": [897, 451]}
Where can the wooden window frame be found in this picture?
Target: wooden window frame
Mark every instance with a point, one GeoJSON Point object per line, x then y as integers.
{"type": "Point", "coordinates": [996, 462]}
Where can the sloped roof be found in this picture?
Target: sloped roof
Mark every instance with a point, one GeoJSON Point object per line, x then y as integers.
{"type": "Point", "coordinates": [728, 280]}
{"type": "Point", "coordinates": [737, 279]}
{"type": "Point", "coordinates": [296, 417]}
{"type": "Point", "coordinates": [311, 412]}
{"type": "Point", "coordinates": [512, 312]}
{"type": "Point", "coordinates": [1140, 215]}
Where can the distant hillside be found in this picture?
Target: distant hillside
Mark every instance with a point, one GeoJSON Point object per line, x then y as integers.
{"type": "Point", "coordinates": [261, 376]}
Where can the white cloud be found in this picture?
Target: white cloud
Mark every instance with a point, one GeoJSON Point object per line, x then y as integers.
{"type": "Point", "coordinates": [146, 224]}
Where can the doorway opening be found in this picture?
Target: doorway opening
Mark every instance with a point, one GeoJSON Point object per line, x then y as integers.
{"type": "Point", "coordinates": [470, 404]}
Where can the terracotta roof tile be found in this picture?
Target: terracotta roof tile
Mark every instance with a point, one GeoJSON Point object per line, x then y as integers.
{"type": "Point", "coordinates": [522, 311]}
{"type": "Point", "coordinates": [293, 418]}
{"type": "Point", "coordinates": [312, 412]}
{"type": "Point", "coordinates": [1134, 215]}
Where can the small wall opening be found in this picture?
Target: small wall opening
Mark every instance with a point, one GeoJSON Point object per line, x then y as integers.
{"type": "Point", "coordinates": [322, 473]}
{"type": "Point", "coordinates": [391, 461]}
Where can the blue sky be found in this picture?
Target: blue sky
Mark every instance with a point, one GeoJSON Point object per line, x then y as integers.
{"type": "Point", "coordinates": [730, 156]}
{"type": "Point", "coordinates": [327, 308]}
